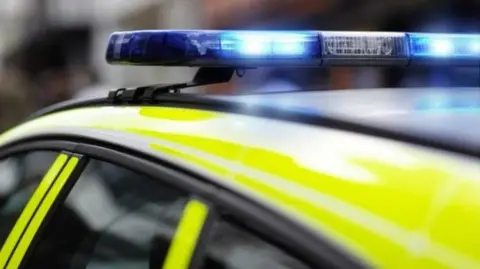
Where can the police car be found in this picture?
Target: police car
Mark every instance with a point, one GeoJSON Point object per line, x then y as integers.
{"type": "Point", "coordinates": [150, 177]}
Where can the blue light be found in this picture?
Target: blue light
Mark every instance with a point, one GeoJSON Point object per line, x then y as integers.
{"type": "Point", "coordinates": [270, 44]}
{"type": "Point", "coordinates": [441, 47]}
{"type": "Point", "coordinates": [254, 45]}
{"type": "Point", "coordinates": [445, 46]}
{"type": "Point", "coordinates": [289, 49]}
{"type": "Point", "coordinates": [475, 46]}
{"type": "Point", "coordinates": [293, 44]}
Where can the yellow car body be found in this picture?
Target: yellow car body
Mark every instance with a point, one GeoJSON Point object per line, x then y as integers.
{"type": "Point", "coordinates": [370, 201]}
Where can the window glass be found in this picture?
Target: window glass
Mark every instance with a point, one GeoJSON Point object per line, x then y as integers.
{"type": "Point", "coordinates": [232, 247]}
{"type": "Point", "coordinates": [20, 174]}
{"type": "Point", "coordinates": [112, 218]}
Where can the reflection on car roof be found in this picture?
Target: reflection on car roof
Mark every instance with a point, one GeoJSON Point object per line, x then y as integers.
{"type": "Point", "coordinates": [441, 113]}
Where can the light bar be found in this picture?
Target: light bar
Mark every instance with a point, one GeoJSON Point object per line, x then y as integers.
{"type": "Point", "coordinates": [291, 48]}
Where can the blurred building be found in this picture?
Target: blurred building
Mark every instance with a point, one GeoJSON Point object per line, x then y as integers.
{"type": "Point", "coordinates": [28, 25]}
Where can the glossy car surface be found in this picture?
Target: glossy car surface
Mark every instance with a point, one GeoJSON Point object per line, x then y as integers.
{"type": "Point", "coordinates": [383, 178]}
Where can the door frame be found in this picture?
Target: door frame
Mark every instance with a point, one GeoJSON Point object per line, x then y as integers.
{"type": "Point", "coordinates": [286, 233]}
{"type": "Point", "coordinates": [22, 224]}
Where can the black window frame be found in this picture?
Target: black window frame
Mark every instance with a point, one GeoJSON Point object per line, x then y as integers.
{"type": "Point", "coordinates": [286, 234]}
{"type": "Point", "coordinates": [200, 253]}
{"type": "Point", "coordinates": [11, 150]}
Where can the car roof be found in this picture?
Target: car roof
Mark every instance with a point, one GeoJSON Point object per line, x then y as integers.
{"type": "Point", "coordinates": [367, 194]}
{"type": "Point", "coordinates": [450, 115]}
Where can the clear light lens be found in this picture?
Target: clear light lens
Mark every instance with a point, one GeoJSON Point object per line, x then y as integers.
{"type": "Point", "coordinates": [364, 44]}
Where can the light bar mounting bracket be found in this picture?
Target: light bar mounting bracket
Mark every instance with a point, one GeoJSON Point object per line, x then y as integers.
{"type": "Point", "coordinates": [147, 94]}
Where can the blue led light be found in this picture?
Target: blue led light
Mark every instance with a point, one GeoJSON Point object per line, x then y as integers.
{"type": "Point", "coordinates": [270, 44]}
{"type": "Point", "coordinates": [475, 46]}
{"type": "Point", "coordinates": [445, 46]}
{"type": "Point", "coordinates": [248, 44]}
{"type": "Point", "coordinates": [289, 48]}
{"type": "Point", "coordinates": [254, 46]}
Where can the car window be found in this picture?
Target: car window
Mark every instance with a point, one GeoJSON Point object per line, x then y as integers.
{"type": "Point", "coordinates": [111, 218]}
{"type": "Point", "coordinates": [232, 247]}
{"type": "Point", "coordinates": [20, 174]}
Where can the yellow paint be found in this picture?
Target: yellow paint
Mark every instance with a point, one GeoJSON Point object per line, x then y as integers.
{"type": "Point", "coordinates": [41, 213]}
{"type": "Point", "coordinates": [226, 150]}
{"type": "Point", "coordinates": [177, 114]}
{"type": "Point", "coordinates": [394, 205]}
{"type": "Point", "coordinates": [30, 208]}
{"type": "Point", "coordinates": [185, 240]}
{"type": "Point", "coordinates": [456, 228]}
{"type": "Point", "coordinates": [217, 169]}
{"type": "Point", "coordinates": [395, 183]}
{"type": "Point", "coordinates": [379, 238]}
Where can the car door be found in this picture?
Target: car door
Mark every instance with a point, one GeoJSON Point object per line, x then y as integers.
{"type": "Point", "coordinates": [111, 209]}
{"type": "Point", "coordinates": [26, 174]}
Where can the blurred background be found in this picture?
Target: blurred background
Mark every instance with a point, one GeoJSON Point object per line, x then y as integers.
{"type": "Point", "coordinates": [53, 50]}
